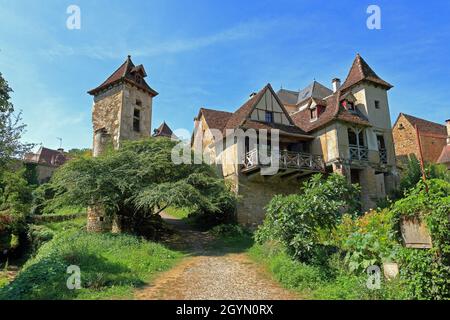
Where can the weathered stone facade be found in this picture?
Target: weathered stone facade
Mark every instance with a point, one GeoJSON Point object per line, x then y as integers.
{"type": "Point", "coordinates": [356, 142]}
{"type": "Point", "coordinates": [432, 138]}
{"type": "Point", "coordinates": [122, 110]}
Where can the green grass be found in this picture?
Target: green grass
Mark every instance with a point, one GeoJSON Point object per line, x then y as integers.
{"type": "Point", "coordinates": [112, 266]}
{"type": "Point", "coordinates": [74, 224]}
{"type": "Point", "coordinates": [69, 210]}
{"type": "Point", "coordinates": [318, 282]}
{"type": "Point", "coordinates": [180, 213]}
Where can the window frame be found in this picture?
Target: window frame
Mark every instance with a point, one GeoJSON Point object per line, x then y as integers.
{"type": "Point", "coordinates": [268, 117]}
{"type": "Point", "coordinates": [137, 120]}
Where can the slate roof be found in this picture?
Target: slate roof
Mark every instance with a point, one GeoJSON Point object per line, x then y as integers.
{"type": "Point", "coordinates": [314, 90]}
{"type": "Point", "coordinates": [360, 71]}
{"type": "Point", "coordinates": [126, 73]}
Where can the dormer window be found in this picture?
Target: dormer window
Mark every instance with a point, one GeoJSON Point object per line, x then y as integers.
{"type": "Point", "coordinates": [269, 116]}
{"type": "Point", "coordinates": [314, 114]}
{"type": "Point", "coordinates": [348, 105]}
{"type": "Point", "coordinates": [138, 78]}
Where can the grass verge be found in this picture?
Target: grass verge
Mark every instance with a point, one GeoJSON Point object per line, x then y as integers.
{"type": "Point", "coordinates": [320, 282]}
{"type": "Point", "coordinates": [111, 266]}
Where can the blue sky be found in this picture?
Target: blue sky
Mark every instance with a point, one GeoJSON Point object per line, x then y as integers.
{"type": "Point", "coordinates": [214, 54]}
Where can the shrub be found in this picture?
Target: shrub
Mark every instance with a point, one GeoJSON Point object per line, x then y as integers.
{"type": "Point", "coordinates": [427, 272]}
{"type": "Point", "coordinates": [367, 240]}
{"type": "Point", "coordinates": [229, 230]}
{"type": "Point", "coordinates": [295, 220]}
{"type": "Point", "coordinates": [139, 180]}
{"type": "Point", "coordinates": [37, 235]}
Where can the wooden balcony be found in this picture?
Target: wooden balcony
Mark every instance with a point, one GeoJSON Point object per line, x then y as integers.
{"type": "Point", "coordinates": [294, 161]}
{"type": "Point", "coordinates": [358, 153]}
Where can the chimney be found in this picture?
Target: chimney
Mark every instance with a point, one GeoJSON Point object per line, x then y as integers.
{"type": "Point", "coordinates": [336, 84]}
{"type": "Point", "coordinates": [252, 95]}
{"type": "Point", "coordinates": [448, 131]}
{"type": "Point", "coordinates": [61, 150]}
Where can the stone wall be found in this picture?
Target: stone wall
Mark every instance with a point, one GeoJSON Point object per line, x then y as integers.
{"type": "Point", "coordinates": [256, 192]}
{"type": "Point", "coordinates": [406, 144]}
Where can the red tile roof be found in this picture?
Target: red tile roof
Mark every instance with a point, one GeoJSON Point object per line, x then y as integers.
{"type": "Point", "coordinates": [163, 131]}
{"type": "Point", "coordinates": [214, 118]}
{"type": "Point", "coordinates": [425, 126]}
{"type": "Point", "coordinates": [126, 73]}
{"type": "Point", "coordinates": [333, 111]}
{"type": "Point", "coordinates": [361, 71]}
{"type": "Point", "coordinates": [46, 156]}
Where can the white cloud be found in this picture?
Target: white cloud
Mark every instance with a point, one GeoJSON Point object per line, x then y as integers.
{"type": "Point", "coordinates": [248, 30]}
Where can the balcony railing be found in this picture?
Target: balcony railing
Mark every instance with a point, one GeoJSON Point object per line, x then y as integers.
{"type": "Point", "coordinates": [287, 159]}
{"type": "Point", "coordinates": [359, 153]}
{"type": "Point", "coordinates": [383, 155]}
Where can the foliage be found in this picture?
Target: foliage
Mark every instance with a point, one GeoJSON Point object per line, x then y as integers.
{"type": "Point", "coordinates": [111, 267]}
{"type": "Point", "coordinates": [11, 128]}
{"type": "Point", "coordinates": [413, 174]}
{"type": "Point", "coordinates": [427, 271]}
{"type": "Point", "coordinates": [79, 153]}
{"type": "Point", "coordinates": [229, 230]}
{"type": "Point", "coordinates": [140, 180]}
{"type": "Point", "coordinates": [319, 281]}
{"type": "Point", "coordinates": [180, 213]}
{"type": "Point", "coordinates": [367, 240]}
{"type": "Point", "coordinates": [295, 220]}
{"type": "Point", "coordinates": [42, 197]}
{"type": "Point", "coordinates": [38, 235]}
{"type": "Point", "coordinates": [15, 193]}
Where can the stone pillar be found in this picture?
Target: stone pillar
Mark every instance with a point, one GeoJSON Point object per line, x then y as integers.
{"type": "Point", "coordinates": [368, 188]}
{"type": "Point", "coordinates": [97, 221]}
{"type": "Point", "coordinates": [101, 140]}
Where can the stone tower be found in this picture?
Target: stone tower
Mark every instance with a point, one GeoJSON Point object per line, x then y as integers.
{"type": "Point", "coordinates": [122, 110]}
{"type": "Point", "coordinates": [122, 107]}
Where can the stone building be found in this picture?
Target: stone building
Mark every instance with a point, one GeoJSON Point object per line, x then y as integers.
{"type": "Point", "coordinates": [444, 157]}
{"type": "Point", "coordinates": [432, 135]}
{"type": "Point", "coordinates": [163, 131]}
{"type": "Point", "coordinates": [46, 161]}
{"type": "Point", "coordinates": [122, 107]}
{"type": "Point", "coordinates": [122, 110]}
{"type": "Point", "coordinates": [346, 129]}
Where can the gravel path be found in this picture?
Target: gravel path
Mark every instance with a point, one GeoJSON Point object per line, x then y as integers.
{"type": "Point", "coordinates": [211, 274]}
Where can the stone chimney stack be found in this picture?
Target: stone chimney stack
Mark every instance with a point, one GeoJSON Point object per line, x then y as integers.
{"type": "Point", "coordinates": [336, 84]}
{"type": "Point", "coordinates": [448, 131]}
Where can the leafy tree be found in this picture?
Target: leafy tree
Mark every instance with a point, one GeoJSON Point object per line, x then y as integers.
{"type": "Point", "coordinates": [295, 220]}
{"type": "Point", "coordinates": [11, 128]}
{"type": "Point", "coordinates": [140, 180]}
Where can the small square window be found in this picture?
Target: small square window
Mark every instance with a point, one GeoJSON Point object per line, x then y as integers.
{"type": "Point", "coordinates": [377, 104]}
{"type": "Point", "coordinates": [269, 116]}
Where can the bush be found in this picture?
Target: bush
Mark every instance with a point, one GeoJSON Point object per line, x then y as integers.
{"type": "Point", "coordinates": [140, 180]}
{"type": "Point", "coordinates": [295, 220]}
{"type": "Point", "coordinates": [427, 272]}
{"type": "Point", "coordinates": [38, 235]}
{"type": "Point", "coordinates": [229, 230]}
{"type": "Point", "coordinates": [41, 198]}
{"type": "Point", "coordinates": [367, 240]}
